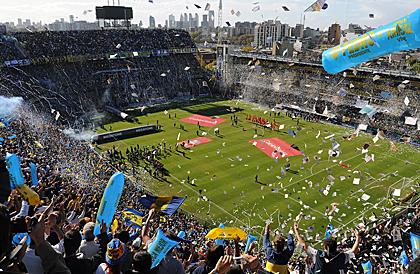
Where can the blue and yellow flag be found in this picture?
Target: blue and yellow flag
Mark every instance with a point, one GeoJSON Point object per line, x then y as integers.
{"type": "Point", "coordinates": [165, 204]}
{"type": "Point", "coordinates": [133, 216]}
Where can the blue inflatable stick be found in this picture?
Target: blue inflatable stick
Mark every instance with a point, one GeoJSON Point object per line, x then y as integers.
{"type": "Point", "coordinates": [159, 247]}
{"type": "Point", "coordinates": [15, 172]}
{"type": "Point", "coordinates": [249, 241]}
{"type": "Point", "coordinates": [402, 34]}
{"type": "Point", "coordinates": [221, 242]}
{"type": "Point", "coordinates": [109, 201]}
{"type": "Point", "coordinates": [34, 176]}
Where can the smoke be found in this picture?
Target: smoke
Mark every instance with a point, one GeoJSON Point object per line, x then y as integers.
{"type": "Point", "coordinates": [79, 135]}
{"type": "Point", "coordinates": [8, 105]}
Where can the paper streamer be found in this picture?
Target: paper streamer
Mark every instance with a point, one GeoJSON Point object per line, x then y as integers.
{"type": "Point", "coordinates": [109, 201]}
{"type": "Point", "coordinates": [402, 34]}
{"type": "Point", "coordinates": [33, 172]}
{"type": "Point", "coordinates": [15, 172]}
{"type": "Point", "coordinates": [159, 247]}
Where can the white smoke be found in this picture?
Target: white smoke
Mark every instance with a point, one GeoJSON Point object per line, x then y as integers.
{"type": "Point", "coordinates": [8, 105]}
{"type": "Point", "coordinates": [79, 135]}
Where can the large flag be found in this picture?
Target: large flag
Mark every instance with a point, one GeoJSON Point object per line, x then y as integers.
{"type": "Point", "coordinates": [393, 147]}
{"type": "Point", "coordinates": [164, 204]}
{"type": "Point", "coordinates": [415, 244]}
{"type": "Point", "coordinates": [133, 216]}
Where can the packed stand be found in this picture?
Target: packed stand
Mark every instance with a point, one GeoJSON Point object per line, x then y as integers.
{"type": "Point", "coordinates": [63, 43]}
{"type": "Point", "coordinates": [71, 182]}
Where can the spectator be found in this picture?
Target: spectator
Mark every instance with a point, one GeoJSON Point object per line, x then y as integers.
{"type": "Point", "coordinates": [328, 261]}
{"type": "Point", "coordinates": [115, 255]}
{"type": "Point", "coordinates": [88, 246]}
{"type": "Point", "coordinates": [170, 265]}
{"type": "Point", "coordinates": [277, 256]}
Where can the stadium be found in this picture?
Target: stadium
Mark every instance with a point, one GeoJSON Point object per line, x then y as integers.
{"type": "Point", "coordinates": [126, 128]}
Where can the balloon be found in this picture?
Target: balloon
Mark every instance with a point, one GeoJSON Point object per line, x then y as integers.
{"type": "Point", "coordinates": [109, 201]}
{"type": "Point", "coordinates": [220, 242]}
{"type": "Point", "coordinates": [325, 6]}
{"type": "Point", "coordinates": [33, 172]}
{"type": "Point", "coordinates": [159, 247]}
{"type": "Point", "coordinates": [402, 34]}
{"type": "Point", "coordinates": [250, 240]}
{"type": "Point", "coordinates": [28, 194]}
{"type": "Point", "coordinates": [15, 172]}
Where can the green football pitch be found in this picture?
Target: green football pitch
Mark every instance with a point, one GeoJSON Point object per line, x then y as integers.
{"type": "Point", "coordinates": [224, 169]}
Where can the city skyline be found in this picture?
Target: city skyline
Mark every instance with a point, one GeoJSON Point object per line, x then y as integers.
{"type": "Point", "coordinates": [48, 11]}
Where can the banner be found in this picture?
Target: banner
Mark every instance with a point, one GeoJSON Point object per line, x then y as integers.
{"type": "Point", "coordinates": [15, 171]}
{"type": "Point", "coordinates": [250, 240]}
{"type": "Point", "coordinates": [226, 233]}
{"type": "Point", "coordinates": [133, 216]}
{"type": "Point", "coordinates": [402, 34]}
{"type": "Point", "coordinates": [415, 243]}
{"type": "Point", "coordinates": [34, 175]}
{"type": "Point", "coordinates": [109, 201]}
{"type": "Point", "coordinates": [159, 247]}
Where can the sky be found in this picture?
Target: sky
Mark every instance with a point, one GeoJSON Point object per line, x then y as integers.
{"type": "Point", "coordinates": [340, 11]}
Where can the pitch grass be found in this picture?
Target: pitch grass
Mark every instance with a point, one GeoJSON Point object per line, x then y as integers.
{"type": "Point", "coordinates": [237, 200]}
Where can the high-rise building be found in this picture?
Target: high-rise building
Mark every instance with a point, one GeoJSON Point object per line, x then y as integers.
{"type": "Point", "coordinates": [71, 17]}
{"type": "Point", "coordinates": [27, 23]}
{"type": "Point", "coordinates": [19, 22]}
{"type": "Point", "coordinates": [334, 34]}
{"type": "Point", "coordinates": [268, 32]}
{"type": "Point", "coordinates": [205, 22]}
{"type": "Point", "coordinates": [245, 27]}
{"type": "Point", "coordinates": [185, 24]}
{"type": "Point", "coordinates": [171, 21]}
{"type": "Point", "coordinates": [356, 29]}
{"type": "Point", "coordinates": [196, 21]}
{"type": "Point", "coordinates": [298, 31]}
{"type": "Point", "coordinates": [152, 22]}
{"type": "Point", "coordinates": [190, 21]}
{"type": "Point", "coordinates": [211, 18]}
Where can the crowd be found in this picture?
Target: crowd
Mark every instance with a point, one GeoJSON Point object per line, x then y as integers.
{"type": "Point", "coordinates": [75, 88]}
{"type": "Point", "coordinates": [8, 49]}
{"type": "Point", "coordinates": [63, 43]}
{"type": "Point", "coordinates": [72, 177]}
{"type": "Point", "coordinates": [71, 182]}
{"type": "Point", "coordinates": [309, 93]}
